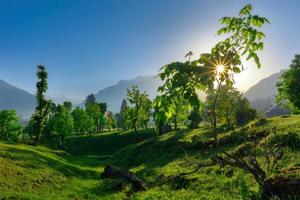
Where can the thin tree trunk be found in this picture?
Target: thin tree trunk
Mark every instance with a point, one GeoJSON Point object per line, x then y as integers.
{"type": "Point", "coordinates": [214, 112]}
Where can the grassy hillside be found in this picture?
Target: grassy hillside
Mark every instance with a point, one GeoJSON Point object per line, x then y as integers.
{"type": "Point", "coordinates": [42, 173]}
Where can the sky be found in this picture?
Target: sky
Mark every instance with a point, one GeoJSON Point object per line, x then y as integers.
{"type": "Point", "coordinates": [89, 45]}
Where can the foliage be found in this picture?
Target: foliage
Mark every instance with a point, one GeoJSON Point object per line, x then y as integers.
{"type": "Point", "coordinates": [110, 121]}
{"type": "Point", "coordinates": [194, 118]}
{"type": "Point", "coordinates": [138, 114]}
{"type": "Point", "coordinates": [82, 121]}
{"type": "Point", "coordinates": [232, 108]}
{"type": "Point", "coordinates": [244, 40]}
{"type": "Point", "coordinates": [61, 123]}
{"type": "Point", "coordinates": [43, 106]}
{"type": "Point", "coordinates": [10, 128]}
{"type": "Point", "coordinates": [244, 113]}
{"type": "Point", "coordinates": [289, 87]}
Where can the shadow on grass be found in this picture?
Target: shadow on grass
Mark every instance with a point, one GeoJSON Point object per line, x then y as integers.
{"type": "Point", "coordinates": [35, 160]}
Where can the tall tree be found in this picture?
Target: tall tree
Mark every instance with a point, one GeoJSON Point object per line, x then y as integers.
{"type": "Point", "coordinates": [62, 123]}
{"type": "Point", "coordinates": [82, 121]}
{"type": "Point", "coordinates": [213, 69]}
{"type": "Point", "coordinates": [43, 106]}
{"type": "Point", "coordinates": [139, 112]}
{"type": "Point", "coordinates": [289, 87]}
{"type": "Point", "coordinates": [90, 99]}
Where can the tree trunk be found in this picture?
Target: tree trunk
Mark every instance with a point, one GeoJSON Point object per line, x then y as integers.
{"type": "Point", "coordinates": [38, 134]}
{"type": "Point", "coordinates": [175, 123]}
{"type": "Point", "coordinates": [282, 187]}
{"type": "Point", "coordinates": [115, 172]}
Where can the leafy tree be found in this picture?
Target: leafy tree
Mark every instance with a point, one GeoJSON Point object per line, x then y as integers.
{"type": "Point", "coordinates": [194, 118]}
{"type": "Point", "coordinates": [162, 114]}
{"type": "Point", "coordinates": [10, 128]}
{"type": "Point", "coordinates": [68, 105]}
{"type": "Point", "coordinates": [243, 112]}
{"type": "Point", "coordinates": [90, 99]}
{"type": "Point", "coordinates": [62, 123]}
{"type": "Point", "coordinates": [169, 109]}
{"type": "Point", "coordinates": [103, 109]}
{"type": "Point", "coordinates": [139, 113]}
{"type": "Point", "coordinates": [213, 69]}
{"type": "Point", "coordinates": [82, 121]}
{"type": "Point", "coordinates": [110, 121]}
{"type": "Point", "coordinates": [289, 87]}
{"type": "Point", "coordinates": [43, 106]}
{"type": "Point", "coordinates": [93, 110]}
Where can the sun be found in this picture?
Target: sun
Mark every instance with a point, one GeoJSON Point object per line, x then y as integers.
{"type": "Point", "coordinates": [220, 69]}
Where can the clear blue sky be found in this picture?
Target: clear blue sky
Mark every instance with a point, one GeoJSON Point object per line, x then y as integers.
{"type": "Point", "coordinates": [87, 45]}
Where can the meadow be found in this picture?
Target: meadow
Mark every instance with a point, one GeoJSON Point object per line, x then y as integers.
{"type": "Point", "coordinates": [44, 172]}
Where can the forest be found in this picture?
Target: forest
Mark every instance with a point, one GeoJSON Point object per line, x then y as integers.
{"type": "Point", "coordinates": [175, 146]}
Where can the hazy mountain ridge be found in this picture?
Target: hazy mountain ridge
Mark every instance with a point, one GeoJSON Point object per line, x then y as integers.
{"type": "Point", "coordinates": [17, 99]}
{"type": "Point", "coordinates": [113, 95]}
{"type": "Point", "coordinates": [262, 94]}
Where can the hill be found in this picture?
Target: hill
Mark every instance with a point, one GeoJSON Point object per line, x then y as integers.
{"type": "Point", "coordinates": [113, 95]}
{"type": "Point", "coordinates": [45, 173]}
{"type": "Point", "coordinates": [262, 94]}
{"type": "Point", "coordinates": [17, 99]}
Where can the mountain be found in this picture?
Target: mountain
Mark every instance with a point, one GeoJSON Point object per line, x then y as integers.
{"type": "Point", "coordinates": [113, 95]}
{"type": "Point", "coordinates": [17, 99]}
{"type": "Point", "coordinates": [262, 94]}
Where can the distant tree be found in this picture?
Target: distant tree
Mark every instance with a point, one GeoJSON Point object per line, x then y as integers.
{"type": "Point", "coordinates": [82, 121]}
{"type": "Point", "coordinates": [120, 117]}
{"type": "Point", "coordinates": [289, 87]}
{"type": "Point", "coordinates": [139, 112]}
{"type": "Point", "coordinates": [194, 118]}
{"type": "Point", "coordinates": [102, 121]}
{"type": "Point", "coordinates": [68, 105]}
{"type": "Point", "coordinates": [10, 128]}
{"type": "Point", "coordinates": [243, 112]}
{"type": "Point", "coordinates": [62, 123]}
{"type": "Point", "coordinates": [43, 106]}
{"type": "Point", "coordinates": [90, 99]}
{"type": "Point", "coordinates": [92, 108]}
{"type": "Point", "coordinates": [110, 121]}
{"type": "Point", "coordinates": [232, 108]}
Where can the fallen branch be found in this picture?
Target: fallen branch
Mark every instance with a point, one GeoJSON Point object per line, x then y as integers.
{"type": "Point", "coordinates": [115, 172]}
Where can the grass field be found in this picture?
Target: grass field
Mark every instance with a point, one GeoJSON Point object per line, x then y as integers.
{"type": "Point", "coordinates": [28, 172]}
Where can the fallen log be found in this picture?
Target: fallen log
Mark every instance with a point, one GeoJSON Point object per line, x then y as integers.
{"type": "Point", "coordinates": [115, 172]}
{"type": "Point", "coordinates": [282, 188]}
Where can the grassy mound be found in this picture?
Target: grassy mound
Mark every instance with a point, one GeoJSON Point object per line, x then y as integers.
{"type": "Point", "coordinates": [28, 172]}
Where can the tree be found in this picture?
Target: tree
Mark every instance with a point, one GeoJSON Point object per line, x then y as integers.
{"type": "Point", "coordinates": [194, 118]}
{"type": "Point", "coordinates": [289, 87]}
{"type": "Point", "coordinates": [139, 113]}
{"type": "Point", "coordinates": [243, 112]}
{"type": "Point", "coordinates": [110, 121]}
{"type": "Point", "coordinates": [103, 109]}
{"type": "Point", "coordinates": [82, 121]}
{"type": "Point", "coordinates": [10, 128]}
{"type": "Point", "coordinates": [232, 108]}
{"type": "Point", "coordinates": [43, 106]}
{"type": "Point", "coordinates": [92, 108]}
{"type": "Point", "coordinates": [62, 123]}
{"type": "Point", "coordinates": [90, 99]}
{"type": "Point", "coordinates": [216, 68]}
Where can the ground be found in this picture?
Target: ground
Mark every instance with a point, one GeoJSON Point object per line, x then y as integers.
{"type": "Point", "coordinates": [41, 172]}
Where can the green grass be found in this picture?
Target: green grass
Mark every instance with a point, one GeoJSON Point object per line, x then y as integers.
{"type": "Point", "coordinates": [28, 172]}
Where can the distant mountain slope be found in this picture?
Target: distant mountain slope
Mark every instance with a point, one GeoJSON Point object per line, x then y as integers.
{"type": "Point", "coordinates": [114, 94]}
{"type": "Point", "coordinates": [262, 94]}
{"type": "Point", "coordinates": [17, 99]}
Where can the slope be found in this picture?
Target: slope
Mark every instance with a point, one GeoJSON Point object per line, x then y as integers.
{"type": "Point", "coordinates": [42, 173]}
{"type": "Point", "coordinates": [17, 99]}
